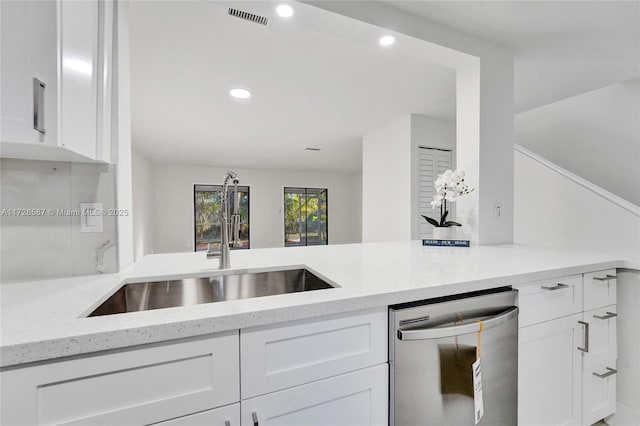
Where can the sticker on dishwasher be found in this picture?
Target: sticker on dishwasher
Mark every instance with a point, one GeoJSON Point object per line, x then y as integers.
{"type": "Point", "coordinates": [477, 391]}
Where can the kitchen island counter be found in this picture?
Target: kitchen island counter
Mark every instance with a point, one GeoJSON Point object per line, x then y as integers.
{"type": "Point", "coordinates": [47, 319]}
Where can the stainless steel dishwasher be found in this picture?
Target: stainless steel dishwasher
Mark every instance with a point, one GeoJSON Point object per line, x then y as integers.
{"type": "Point", "coordinates": [432, 350]}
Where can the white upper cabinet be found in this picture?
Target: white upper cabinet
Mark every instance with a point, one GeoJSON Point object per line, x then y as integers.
{"type": "Point", "coordinates": [78, 83]}
{"type": "Point", "coordinates": [56, 79]}
{"type": "Point", "coordinates": [29, 72]}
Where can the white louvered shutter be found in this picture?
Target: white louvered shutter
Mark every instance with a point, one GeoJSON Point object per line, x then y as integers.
{"type": "Point", "coordinates": [431, 163]}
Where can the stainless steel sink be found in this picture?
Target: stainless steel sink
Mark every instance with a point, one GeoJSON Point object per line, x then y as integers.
{"type": "Point", "coordinates": [145, 296]}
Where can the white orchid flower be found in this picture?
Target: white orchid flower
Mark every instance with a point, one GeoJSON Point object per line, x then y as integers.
{"type": "Point", "coordinates": [449, 186]}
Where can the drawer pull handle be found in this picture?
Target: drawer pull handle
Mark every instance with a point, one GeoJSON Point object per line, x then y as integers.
{"type": "Point", "coordinates": [606, 278]}
{"type": "Point", "coordinates": [255, 419]}
{"type": "Point", "coordinates": [586, 337]}
{"type": "Point", "coordinates": [610, 372]}
{"type": "Point", "coordinates": [604, 317]}
{"type": "Point", "coordinates": [554, 287]}
{"type": "Point", "coordinates": [227, 423]}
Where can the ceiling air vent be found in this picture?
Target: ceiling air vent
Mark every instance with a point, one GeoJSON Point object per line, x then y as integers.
{"type": "Point", "coordinates": [251, 17]}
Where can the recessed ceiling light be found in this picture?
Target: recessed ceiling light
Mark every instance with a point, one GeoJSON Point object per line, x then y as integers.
{"type": "Point", "coordinates": [240, 93]}
{"type": "Point", "coordinates": [387, 40]}
{"type": "Point", "coordinates": [284, 11]}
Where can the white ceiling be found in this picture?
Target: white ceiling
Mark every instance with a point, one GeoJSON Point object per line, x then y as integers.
{"type": "Point", "coordinates": [313, 85]}
{"type": "Point", "coordinates": [562, 48]}
{"type": "Point", "coordinates": [319, 80]}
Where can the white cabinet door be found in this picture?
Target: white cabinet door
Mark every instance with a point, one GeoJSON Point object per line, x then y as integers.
{"type": "Point", "coordinates": [105, 80]}
{"type": "Point", "coordinates": [28, 52]}
{"type": "Point", "coordinates": [602, 336]}
{"type": "Point", "coordinates": [79, 70]}
{"type": "Point", "coordinates": [223, 416]}
{"type": "Point", "coordinates": [56, 79]}
{"type": "Point", "coordinates": [599, 392]}
{"type": "Point", "coordinates": [354, 399]}
{"type": "Point", "coordinates": [549, 373]}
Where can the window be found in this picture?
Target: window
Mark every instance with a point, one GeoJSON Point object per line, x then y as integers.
{"type": "Point", "coordinates": [207, 201]}
{"type": "Point", "coordinates": [305, 217]}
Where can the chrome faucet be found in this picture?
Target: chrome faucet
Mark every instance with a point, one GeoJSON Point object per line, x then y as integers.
{"type": "Point", "coordinates": [228, 225]}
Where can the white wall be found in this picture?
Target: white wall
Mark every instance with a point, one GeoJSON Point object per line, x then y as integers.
{"type": "Point", "coordinates": [554, 211]}
{"type": "Point", "coordinates": [48, 246]}
{"type": "Point", "coordinates": [390, 174]}
{"type": "Point", "coordinates": [595, 135]}
{"type": "Point", "coordinates": [433, 132]}
{"type": "Point", "coordinates": [386, 182]}
{"type": "Point", "coordinates": [174, 214]}
{"type": "Point", "coordinates": [356, 212]}
{"type": "Point", "coordinates": [143, 204]}
{"type": "Point", "coordinates": [484, 115]}
{"type": "Point", "coordinates": [484, 123]}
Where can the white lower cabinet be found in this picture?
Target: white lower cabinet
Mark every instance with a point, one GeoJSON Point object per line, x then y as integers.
{"type": "Point", "coordinates": [602, 336]}
{"type": "Point", "coordinates": [223, 416]}
{"type": "Point", "coordinates": [330, 371]}
{"type": "Point", "coordinates": [549, 373]}
{"type": "Point", "coordinates": [132, 387]}
{"type": "Point", "coordinates": [327, 371]}
{"type": "Point", "coordinates": [354, 399]}
{"type": "Point", "coordinates": [567, 350]}
{"type": "Point", "coordinates": [599, 394]}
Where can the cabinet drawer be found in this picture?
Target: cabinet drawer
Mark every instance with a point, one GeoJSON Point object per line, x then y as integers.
{"type": "Point", "coordinates": [279, 357]}
{"type": "Point", "coordinates": [223, 416]}
{"type": "Point", "coordinates": [599, 393]}
{"type": "Point", "coordinates": [549, 299]}
{"type": "Point", "coordinates": [599, 289]}
{"type": "Point", "coordinates": [137, 386]}
{"type": "Point", "coordinates": [359, 398]}
{"type": "Point", "coordinates": [602, 336]}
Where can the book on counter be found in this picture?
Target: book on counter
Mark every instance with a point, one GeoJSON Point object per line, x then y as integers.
{"type": "Point", "coordinates": [445, 243]}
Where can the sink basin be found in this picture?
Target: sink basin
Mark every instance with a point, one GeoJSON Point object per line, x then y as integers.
{"type": "Point", "coordinates": [145, 296]}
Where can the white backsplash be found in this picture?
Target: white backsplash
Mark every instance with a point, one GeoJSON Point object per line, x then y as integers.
{"type": "Point", "coordinates": [51, 245]}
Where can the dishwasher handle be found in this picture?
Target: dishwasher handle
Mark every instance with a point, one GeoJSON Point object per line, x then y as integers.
{"type": "Point", "coordinates": [457, 330]}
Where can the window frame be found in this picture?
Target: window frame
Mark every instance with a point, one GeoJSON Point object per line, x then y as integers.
{"type": "Point", "coordinates": [299, 189]}
{"type": "Point", "coordinates": [195, 235]}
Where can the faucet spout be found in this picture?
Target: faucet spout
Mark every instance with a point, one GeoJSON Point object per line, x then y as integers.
{"type": "Point", "coordinates": [229, 223]}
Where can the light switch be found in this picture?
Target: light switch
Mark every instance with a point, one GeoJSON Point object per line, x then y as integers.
{"type": "Point", "coordinates": [91, 217]}
{"type": "Point", "coordinates": [92, 220]}
{"type": "Point", "coordinates": [497, 210]}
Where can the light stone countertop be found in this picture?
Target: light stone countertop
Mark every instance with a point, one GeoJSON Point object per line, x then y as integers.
{"type": "Point", "coordinates": [46, 319]}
